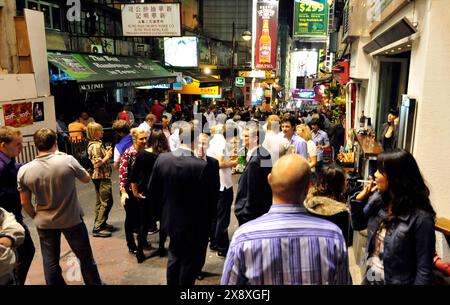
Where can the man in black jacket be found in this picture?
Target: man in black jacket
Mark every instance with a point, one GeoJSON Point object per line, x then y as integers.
{"type": "Point", "coordinates": [10, 148]}
{"type": "Point", "coordinates": [179, 185]}
{"type": "Point", "coordinates": [254, 195]}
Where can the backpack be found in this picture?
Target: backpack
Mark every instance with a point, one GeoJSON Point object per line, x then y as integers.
{"type": "Point", "coordinates": [85, 162]}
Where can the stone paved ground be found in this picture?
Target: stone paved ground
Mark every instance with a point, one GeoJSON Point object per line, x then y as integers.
{"type": "Point", "coordinates": [116, 265]}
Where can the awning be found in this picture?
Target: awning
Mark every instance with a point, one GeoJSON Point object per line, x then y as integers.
{"type": "Point", "coordinates": [105, 71]}
{"type": "Point", "coordinates": [204, 80]}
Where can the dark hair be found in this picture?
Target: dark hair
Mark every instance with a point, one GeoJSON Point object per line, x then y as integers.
{"type": "Point", "coordinates": [394, 111]}
{"type": "Point", "coordinates": [331, 183]}
{"type": "Point", "coordinates": [314, 121]}
{"type": "Point", "coordinates": [287, 118]}
{"type": "Point", "coordinates": [44, 139]}
{"type": "Point", "coordinates": [405, 181]}
{"type": "Point", "coordinates": [188, 133]}
{"type": "Point", "coordinates": [158, 142]}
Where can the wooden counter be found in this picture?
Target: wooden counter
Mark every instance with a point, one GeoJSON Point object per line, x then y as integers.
{"type": "Point", "coordinates": [369, 147]}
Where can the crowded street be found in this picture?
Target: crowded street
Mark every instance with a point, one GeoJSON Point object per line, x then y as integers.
{"type": "Point", "coordinates": [218, 143]}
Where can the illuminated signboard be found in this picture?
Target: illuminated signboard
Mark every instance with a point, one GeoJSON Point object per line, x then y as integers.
{"type": "Point", "coordinates": [181, 51]}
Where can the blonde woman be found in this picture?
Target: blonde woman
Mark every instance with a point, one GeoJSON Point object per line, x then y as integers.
{"type": "Point", "coordinates": [127, 199]}
{"type": "Point", "coordinates": [101, 177]}
{"type": "Point", "coordinates": [304, 132]}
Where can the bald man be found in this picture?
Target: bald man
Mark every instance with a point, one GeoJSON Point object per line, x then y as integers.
{"type": "Point", "coordinates": [287, 245]}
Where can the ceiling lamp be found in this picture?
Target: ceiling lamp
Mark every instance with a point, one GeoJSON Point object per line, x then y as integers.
{"type": "Point", "coordinates": [247, 35]}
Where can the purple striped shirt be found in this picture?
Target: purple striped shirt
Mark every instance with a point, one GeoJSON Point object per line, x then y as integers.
{"type": "Point", "coordinates": [287, 246]}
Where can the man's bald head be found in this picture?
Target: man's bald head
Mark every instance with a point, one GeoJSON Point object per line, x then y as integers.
{"type": "Point", "coordinates": [290, 179]}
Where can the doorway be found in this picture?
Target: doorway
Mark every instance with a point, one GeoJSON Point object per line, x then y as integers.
{"type": "Point", "coordinates": [393, 82]}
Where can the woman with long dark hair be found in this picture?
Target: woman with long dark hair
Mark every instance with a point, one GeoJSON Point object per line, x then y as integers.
{"type": "Point", "coordinates": [326, 199]}
{"type": "Point", "coordinates": [140, 177]}
{"type": "Point", "coordinates": [396, 210]}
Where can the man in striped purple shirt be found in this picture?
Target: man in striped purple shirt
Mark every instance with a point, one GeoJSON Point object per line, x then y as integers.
{"type": "Point", "coordinates": [287, 245]}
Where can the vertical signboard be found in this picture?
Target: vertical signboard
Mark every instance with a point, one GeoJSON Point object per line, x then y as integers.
{"type": "Point", "coordinates": [266, 34]}
{"type": "Point", "coordinates": [310, 18]}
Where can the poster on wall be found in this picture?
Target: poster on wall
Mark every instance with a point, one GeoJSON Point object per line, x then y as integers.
{"type": "Point", "coordinates": [303, 64]}
{"type": "Point", "coordinates": [19, 114]}
{"type": "Point", "coordinates": [310, 18]}
{"type": "Point", "coordinates": [181, 51]}
{"type": "Point", "coordinates": [266, 34]}
{"type": "Point", "coordinates": [152, 19]}
{"type": "Point", "coordinates": [38, 111]}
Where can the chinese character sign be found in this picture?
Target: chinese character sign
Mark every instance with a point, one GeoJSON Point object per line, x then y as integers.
{"type": "Point", "coordinates": [310, 18]}
{"type": "Point", "coordinates": [266, 34]}
{"type": "Point", "coordinates": [19, 114]}
{"type": "Point", "coordinates": [152, 19]}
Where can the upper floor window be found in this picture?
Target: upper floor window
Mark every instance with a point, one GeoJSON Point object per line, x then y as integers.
{"type": "Point", "coordinates": [52, 12]}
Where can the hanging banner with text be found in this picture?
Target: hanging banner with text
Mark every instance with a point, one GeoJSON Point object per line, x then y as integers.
{"type": "Point", "coordinates": [310, 18]}
{"type": "Point", "coordinates": [18, 114]}
{"type": "Point", "coordinates": [266, 34]}
{"type": "Point", "coordinates": [153, 19]}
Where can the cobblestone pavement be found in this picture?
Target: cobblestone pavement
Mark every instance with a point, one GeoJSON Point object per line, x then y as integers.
{"type": "Point", "coordinates": [116, 265]}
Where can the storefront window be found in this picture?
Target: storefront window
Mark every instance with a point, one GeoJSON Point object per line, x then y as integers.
{"type": "Point", "coordinates": [52, 13]}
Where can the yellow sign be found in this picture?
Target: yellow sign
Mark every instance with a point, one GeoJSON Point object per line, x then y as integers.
{"type": "Point", "coordinates": [195, 89]}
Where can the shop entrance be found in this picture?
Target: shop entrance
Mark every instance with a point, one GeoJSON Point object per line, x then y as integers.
{"type": "Point", "coordinates": [393, 82]}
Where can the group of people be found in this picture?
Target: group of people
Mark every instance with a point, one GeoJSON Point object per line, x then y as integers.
{"type": "Point", "coordinates": [294, 220]}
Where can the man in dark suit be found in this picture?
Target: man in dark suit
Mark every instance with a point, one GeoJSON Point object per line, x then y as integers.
{"type": "Point", "coordinates": [254, 195]}
{"type": "Point", "coordinates": [179, 185]}
{"type": "Point", "coordinates": [213, 193]}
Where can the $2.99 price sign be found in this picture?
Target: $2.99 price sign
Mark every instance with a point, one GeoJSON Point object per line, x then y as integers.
{"type": "Point", "coordinates": [316, 7]}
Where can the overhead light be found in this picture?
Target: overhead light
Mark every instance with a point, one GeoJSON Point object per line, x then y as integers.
{"type": "Point", "coordinates": [409, 46]}
{"type": "Point", "coordinates": [207, 70]}
{"type": "Point", "coordinates": [399, 49]}
{"type": "Point", "coordinates": [247, 35]}
{"type": "Point", "coordinates": [392, 51]}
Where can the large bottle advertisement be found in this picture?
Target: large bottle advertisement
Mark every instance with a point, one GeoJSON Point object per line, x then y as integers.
{"type": "Point", "coordinates": [266, 35]}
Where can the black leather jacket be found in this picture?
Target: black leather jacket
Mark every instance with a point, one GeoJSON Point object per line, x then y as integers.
{"type": "Point", "coordinates": [409, 243]}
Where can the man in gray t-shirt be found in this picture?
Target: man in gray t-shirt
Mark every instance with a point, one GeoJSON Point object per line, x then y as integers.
{"type": "Point", "coordinates": [51, 179]}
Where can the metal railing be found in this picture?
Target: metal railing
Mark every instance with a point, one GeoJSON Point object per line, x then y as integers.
{"type": "Point", "coordinates": [66, 144]}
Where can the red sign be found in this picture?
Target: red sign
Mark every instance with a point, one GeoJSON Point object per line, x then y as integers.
{"type": "Point", "coordinates": [19, 114]}
{"type": "Point", "coordinates": [266, 34]}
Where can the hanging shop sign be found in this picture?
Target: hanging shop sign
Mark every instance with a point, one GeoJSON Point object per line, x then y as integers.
{"type": "Point", "coordinates": [239, 82]}
{"type": "Point", "coordinates": [152, 19]}
{"type": "Point", "coordinates": [18, 114]}
{"type": "Point", "coordinates": [252, 74]}
{"type": "Point", "coordinates": [310, 18]}
{"type": "Point", "coordinates": [266, 34]}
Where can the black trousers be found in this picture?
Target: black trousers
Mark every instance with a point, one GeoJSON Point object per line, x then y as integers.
{"type": "Point", "coordinates": [25, 254]}
{"type": "Point", "coordinates": [223, 219]}
{"type": "Point", "coordinates": [184, 260]}
{"type": "Point", "coordinates": [132, 220]}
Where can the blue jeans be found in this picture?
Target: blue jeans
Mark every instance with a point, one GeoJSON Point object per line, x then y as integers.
{"type": "Point", "coordinates": [78, 239]}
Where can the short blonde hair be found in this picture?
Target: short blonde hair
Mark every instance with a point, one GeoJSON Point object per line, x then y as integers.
{"type": "Point", "coordinates": [305, 130]}
{"type": "Point", "coordinates": [7, 134]}
{"type": "Point", "coordinates": [91, 128]}
{"type": "Point", "coordinates": [135, 132]}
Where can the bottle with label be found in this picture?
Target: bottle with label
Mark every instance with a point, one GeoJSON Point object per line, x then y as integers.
{"type": "Point", "coordinates": [265, 44]}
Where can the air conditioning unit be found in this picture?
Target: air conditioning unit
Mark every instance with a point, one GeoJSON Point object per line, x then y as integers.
{"type": "Point", "coordinates": [354, 20]}
{"type": "Point", "coordinates": [96, 48]}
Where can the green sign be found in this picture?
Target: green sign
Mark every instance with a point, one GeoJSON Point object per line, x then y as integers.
{"type": "Point", "coordinates": [240, 82]}
{"type": "Point", "coordinates": [310, 18]}
{"type": "Point", "coordinates": [100, 71]}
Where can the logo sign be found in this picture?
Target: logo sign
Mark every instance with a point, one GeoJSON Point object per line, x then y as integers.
{"type": "Point", "coordinates": [266, 34]}
{"type": "Point", "coordinates": [253, 74]}
{"type": "Point", "coordinates": [152, 19]}
{"type": "Point", "coordinates": [240, 82]}
{"type": "Point", "coordinates": [310, 18]}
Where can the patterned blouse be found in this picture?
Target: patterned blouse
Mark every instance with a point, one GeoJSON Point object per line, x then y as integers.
{"type": "Point", "coordinates": [96, 152]}
{"type": "Point", "coordinates": [126, 163]}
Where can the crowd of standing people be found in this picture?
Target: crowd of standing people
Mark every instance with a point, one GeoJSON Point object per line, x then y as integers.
{"type": "Point", "coordinates": [175, 177]}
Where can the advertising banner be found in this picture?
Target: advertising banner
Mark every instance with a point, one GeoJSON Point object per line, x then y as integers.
{"type": "Point", "coordinates": [310, 18]}
{"type": "Point", "coordinates": [266, 34]}
{"type": "Point", "coordinates": [19, 114]}
{"type": "Point", "coordinates": [152, 19]}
